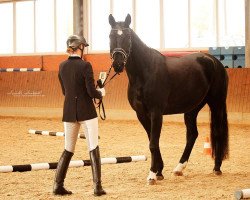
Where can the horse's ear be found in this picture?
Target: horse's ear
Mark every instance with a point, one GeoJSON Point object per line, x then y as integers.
{"type": "Point", "coordinates": [112, 20]}
{"type": "Point", "coordinates": [128, 20]}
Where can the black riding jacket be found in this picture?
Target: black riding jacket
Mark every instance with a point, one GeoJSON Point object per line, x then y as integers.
{"type": "Point", "coordinates": [77, 81]}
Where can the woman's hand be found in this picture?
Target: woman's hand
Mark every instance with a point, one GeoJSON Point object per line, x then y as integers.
{"type": "Point", "coordinates": [102, 90]}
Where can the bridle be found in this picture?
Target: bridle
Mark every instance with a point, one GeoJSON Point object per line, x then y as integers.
{"type": "Point", "coordinates": [125, 55]}
{"type": "Point", "coordinates": [121, 50]}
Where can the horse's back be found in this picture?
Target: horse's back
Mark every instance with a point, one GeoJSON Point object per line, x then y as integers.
{"type": "Point", "coordinates": [199, 64]}
{"type": "Point", "coordinates": [190, 79]}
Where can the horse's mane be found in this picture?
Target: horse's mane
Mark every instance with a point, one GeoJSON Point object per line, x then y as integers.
{"type": "Point", "coordinates": [141, 45]}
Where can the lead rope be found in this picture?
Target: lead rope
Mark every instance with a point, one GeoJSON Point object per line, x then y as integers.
{"type": "Point", "coordinates": [100, 104]}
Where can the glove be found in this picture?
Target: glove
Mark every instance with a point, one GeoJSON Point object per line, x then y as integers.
{"type": "Point", "coordinates": [102, 90]}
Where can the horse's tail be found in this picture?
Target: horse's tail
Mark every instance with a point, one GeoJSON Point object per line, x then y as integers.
{"type": "Point", "coordinates": [219, 131]}
{"type": "Point", "coordinates": [217, 103]}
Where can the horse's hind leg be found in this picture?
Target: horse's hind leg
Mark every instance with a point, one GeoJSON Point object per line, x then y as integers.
{"type": "Point", "coordinates": [156, 155]}
{"type": "Point", "coordinates": [191, 135]}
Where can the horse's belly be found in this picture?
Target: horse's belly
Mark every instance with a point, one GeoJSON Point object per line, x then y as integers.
{"type": "Point", "coordinates": [178, 110]}
{"type": "Point", "coordinates": [183, 105]}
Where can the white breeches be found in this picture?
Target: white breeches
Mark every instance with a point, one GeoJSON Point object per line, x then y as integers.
{"type": "Point", "coordinates": [71, 130]}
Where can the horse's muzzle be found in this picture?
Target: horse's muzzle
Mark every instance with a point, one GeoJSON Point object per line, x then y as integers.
{"type": "Point", "coordinates": [118, 67]}
{"type": "Point", "coordinates": [119, 57]}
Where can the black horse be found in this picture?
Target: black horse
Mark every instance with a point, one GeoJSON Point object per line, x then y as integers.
{"type": "Point", "coordinates": [160, 85]}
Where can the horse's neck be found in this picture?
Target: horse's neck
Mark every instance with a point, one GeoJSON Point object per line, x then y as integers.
{"type": "Point", "coordinates": [140, 51]}
{"type": "Point", "coordinates": [139, 60]}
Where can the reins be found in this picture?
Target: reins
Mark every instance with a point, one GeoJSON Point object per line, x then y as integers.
{"type": "Point", "coordinates": [100, 104]}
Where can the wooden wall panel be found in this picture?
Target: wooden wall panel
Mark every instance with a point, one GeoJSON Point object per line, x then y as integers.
{"type": "Point", "coordinates": [42, 89]}
{"type": "Point", "coordinates": [30, 89]}
{"type": "Point", "coordinates": [246, 102]}
{"type": "Point", "coordinates": [238, 90]}
{"type": "Point", "coordinates": [51, 62]}
{"type": "Point", "coordinates": [21, 62]}
{"type": "Point", "coordinates": [99, 61]}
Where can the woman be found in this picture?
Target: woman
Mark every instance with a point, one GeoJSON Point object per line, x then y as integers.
{"type": "Point", "coordinates": [77, 82]}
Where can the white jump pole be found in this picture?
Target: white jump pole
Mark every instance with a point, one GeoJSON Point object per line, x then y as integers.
{"type": "Point", "coordinates": [242, 194]}
{"type": "Point", "coordinates": [20, 69]}
{"type": "Point", "coordinates": [52, 133]}
{"type": "Point", "coordinates": [74, 163]}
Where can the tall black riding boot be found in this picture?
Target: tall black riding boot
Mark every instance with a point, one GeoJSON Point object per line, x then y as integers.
{"type": "Point", "coordinates": [61, 172]}
{"type": "Point", "coordinates": [96, 171]}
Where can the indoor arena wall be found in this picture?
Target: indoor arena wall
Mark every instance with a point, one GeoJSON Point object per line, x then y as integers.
{"type": "Point", "coordinates": [42, 90]}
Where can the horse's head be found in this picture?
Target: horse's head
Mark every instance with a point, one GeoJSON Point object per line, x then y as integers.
{"type": "Point", "coordinates": [120, 42]}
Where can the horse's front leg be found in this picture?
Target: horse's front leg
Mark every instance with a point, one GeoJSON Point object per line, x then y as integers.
{"type": "Point", "coordinates": [156, 159]}
{"type": "Point", "coordinates": [146, 123]}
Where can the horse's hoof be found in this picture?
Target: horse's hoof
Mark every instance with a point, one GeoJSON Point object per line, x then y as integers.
{"type": "Point", "coordinates": [151, 182]}
{"type": "Point", "coordinates": [160, 177]}
{"type": "Point", "coordinates": [178, 173]}
{"type": "Point", "coordinates": [218, 173]}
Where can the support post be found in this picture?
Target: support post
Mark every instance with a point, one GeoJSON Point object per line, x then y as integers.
{"type": "Point", "coordinates": [247, 33]}
{"type": "Point", "coordinates": [78, 17]}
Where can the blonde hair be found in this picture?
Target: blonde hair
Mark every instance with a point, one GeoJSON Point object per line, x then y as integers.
{"type": "Point", "coordinates": [70, 50]}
